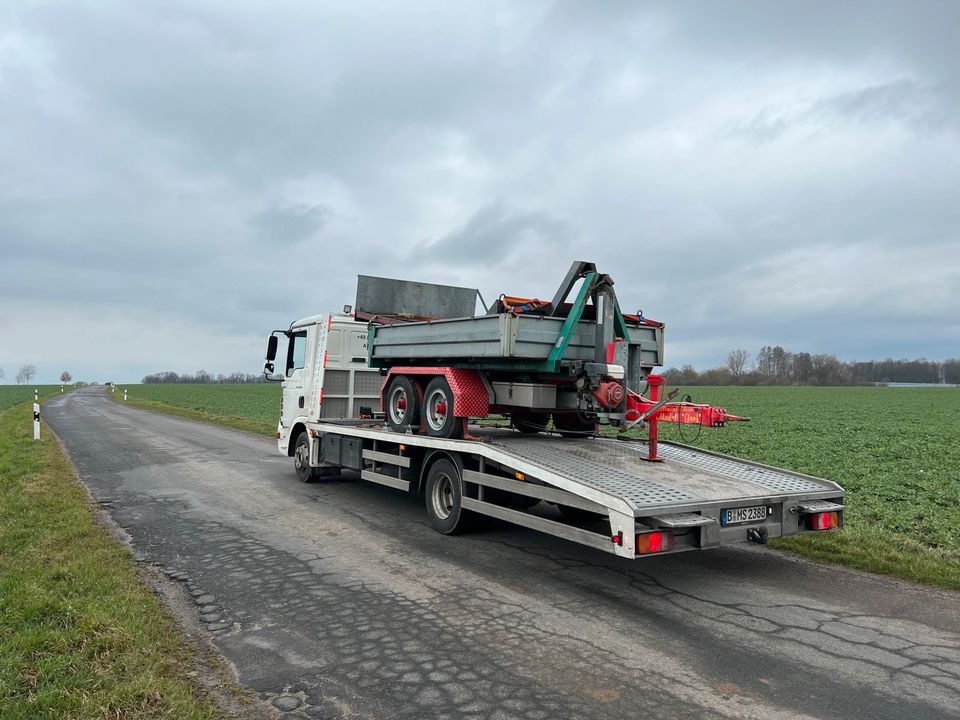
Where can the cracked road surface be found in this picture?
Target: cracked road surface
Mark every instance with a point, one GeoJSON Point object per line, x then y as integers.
{"type": "Point", "coordinates": [337, 600]}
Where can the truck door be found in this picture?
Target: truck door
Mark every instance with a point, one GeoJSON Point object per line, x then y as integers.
{"type": "Point", "coordinates": [294, 400]}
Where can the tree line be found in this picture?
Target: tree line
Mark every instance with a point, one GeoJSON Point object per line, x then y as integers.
{"type": "Point", "coordinates": [774, 365]}
{"type": "Point", "coordinates": [28, 372]}
{"type": "Point", "coordinates": [24, 375]}
{"type": "Point", "coordinates": [201, 376]}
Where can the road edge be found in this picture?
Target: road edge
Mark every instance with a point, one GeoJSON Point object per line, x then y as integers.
{"type": "Point", "coordinates": [210, 668]}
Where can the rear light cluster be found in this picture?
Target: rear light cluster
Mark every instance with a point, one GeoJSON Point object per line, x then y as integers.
{"type": "Point", "coordinates": [654, 542]}
{"type": "Point", "coordinates": [824, 520]}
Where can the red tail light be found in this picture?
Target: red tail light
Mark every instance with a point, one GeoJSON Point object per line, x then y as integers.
{"type": "Point", "coordinates": [824, 521]}
{"type": "Point", "coordinates": [654, 542]}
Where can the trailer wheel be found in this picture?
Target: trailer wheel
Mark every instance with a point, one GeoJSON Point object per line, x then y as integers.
{"type": "Point", "coordinates": [401, 403]}
{"type": "Point", "coordinates": [444, 494]}
{"type": "Point", "coordinates": [573, 426]}
{"type": "Point", "coordinates": [438, 416]}
{"type": "Point", "coordinates": [530, 422]}
{"type": "Point", "coordinates": [301, 459]}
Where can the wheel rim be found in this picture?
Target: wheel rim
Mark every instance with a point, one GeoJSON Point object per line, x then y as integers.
{"type": "Point", "coordinates": [398, 405]}
{"type": "Point", "coordinates": [302, 456]}
{"type": "Point", "coordinates": [441, 496]}
{"type": "Point", "coordinates": [437, 408]}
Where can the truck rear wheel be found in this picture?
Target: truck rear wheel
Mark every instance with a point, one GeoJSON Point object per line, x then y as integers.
{"type": "Point", "coordinates": [438, 417]}
{"type": "Point", "coordinates": [402, 404]}
{"type": "Point", "coordinates": [444, 499]}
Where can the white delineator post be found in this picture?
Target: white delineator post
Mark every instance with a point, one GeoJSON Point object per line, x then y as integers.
{"type": "Point", "coordinates": [36, 421]}
{"type": "Point", "coordinates": [124, 393]}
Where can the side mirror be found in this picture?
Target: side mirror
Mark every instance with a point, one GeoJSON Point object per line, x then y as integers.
{"type": "Point", "coordinates": [271, 349]}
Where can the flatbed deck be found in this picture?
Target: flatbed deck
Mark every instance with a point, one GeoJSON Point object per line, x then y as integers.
{"type": "Point", "coordinates": [613, 473]}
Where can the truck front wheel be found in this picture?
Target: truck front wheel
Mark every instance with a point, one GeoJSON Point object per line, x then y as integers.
{"type": "Point", "coordinates": [301, 458]}
{"type": "Point", "coordinates": [444, 499]}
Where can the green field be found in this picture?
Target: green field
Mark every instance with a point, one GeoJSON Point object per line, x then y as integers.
{"type": "Point", "coordinates": [10, 395]}
{"type": "Point", "coordinates": [895, 451]}
{"type": "Point", "coordinates": [254, 407]}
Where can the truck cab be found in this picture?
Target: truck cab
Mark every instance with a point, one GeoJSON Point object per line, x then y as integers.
{"type": "Point", "coordinates": [324, 375]}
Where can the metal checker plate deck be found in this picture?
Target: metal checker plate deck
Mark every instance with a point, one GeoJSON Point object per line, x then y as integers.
{"type": "Point", "coordinates": [775, 480]}
{"type": "Point", "coordinates": [612, 466]}
{"type": "Point", "coordinates": [617, 468]}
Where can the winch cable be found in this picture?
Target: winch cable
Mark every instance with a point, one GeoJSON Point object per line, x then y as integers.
{"type": "Point", "coordinates": [687, 398]}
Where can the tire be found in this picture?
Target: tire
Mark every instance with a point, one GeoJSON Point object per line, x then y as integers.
{"type": "Point", "coordinates": [301, 459]}
{"type": "Point", "coordinates": [573, 426]}
{"type": "Point", "coordinates": [443, 496]}
{"type": "Point", "coordinates": [401, 403]}
{"type": "Point", "coordinates": [530, 422]}
{"type": "Point", "coordinates": [438, 418]}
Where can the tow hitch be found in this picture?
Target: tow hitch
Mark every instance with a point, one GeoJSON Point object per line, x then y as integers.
{"type": "Point", "coordinates": [757, 535]}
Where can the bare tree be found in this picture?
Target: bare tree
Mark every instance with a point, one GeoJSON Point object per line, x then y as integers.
{"type": "Point", "coordinates": [1, 374]}
{"type": "Point", "coordinates": [737, 362]}
{"type": "Point", "coordinates": [65, 377]}
{"type": "Point", "coordinates": [26, 374]}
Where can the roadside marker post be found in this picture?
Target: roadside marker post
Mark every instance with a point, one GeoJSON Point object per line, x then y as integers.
{"type": "Point", "coordinates": [124, 394]}
{"type": "Point", "coordinates": [36, 421]}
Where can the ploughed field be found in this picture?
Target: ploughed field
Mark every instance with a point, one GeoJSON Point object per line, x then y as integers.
{"type": "Point", "coordinates": [895, 451]}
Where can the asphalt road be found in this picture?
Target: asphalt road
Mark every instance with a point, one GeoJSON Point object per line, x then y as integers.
{"type": "Point", "coordinates": [338, 600]}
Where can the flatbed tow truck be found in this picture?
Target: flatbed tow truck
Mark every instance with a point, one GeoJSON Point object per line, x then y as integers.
{"type": "Point", "coordinates": [394, 387]}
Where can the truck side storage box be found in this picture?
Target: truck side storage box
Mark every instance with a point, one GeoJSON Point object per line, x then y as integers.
{"type": "Point", "coordinates": [343, 451]}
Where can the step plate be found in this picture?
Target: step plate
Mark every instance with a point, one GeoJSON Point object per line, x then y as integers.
{"type": "Point", "coordinates": [818, 506]}
{"type": "Point", "coordinates": [679, 520]}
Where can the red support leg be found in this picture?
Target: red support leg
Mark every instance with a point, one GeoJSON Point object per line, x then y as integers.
{"type": "Point", "coordinates": [653, 382]}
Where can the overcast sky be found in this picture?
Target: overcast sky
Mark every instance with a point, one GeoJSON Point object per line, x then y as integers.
{"type": "Point", "coordinates": [178, 179]}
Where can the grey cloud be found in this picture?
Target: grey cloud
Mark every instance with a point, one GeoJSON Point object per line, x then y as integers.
{"type": "Point", "coordinates": [290, 224]}
{"type": "Point", "coordinates": [495, 234]}
{"type": "Point", "coordinates": [924, 108]}
{"type": "Point", "coordinates": [921, 108]}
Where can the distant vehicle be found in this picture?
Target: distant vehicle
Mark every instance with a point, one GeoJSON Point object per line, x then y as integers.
{"type": "Point", "coordinates": [108, 383]}
{"type": "Point", "coordinates": [389, 390]}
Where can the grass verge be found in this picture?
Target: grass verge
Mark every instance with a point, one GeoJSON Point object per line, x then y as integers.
{"type": "Point", "coordinates": [80, 635]}
{"type": "Point", "coordinates": [878, 551]}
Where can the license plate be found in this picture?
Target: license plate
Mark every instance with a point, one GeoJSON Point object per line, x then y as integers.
{"type": "Point", "coordinates": [733, 516]}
